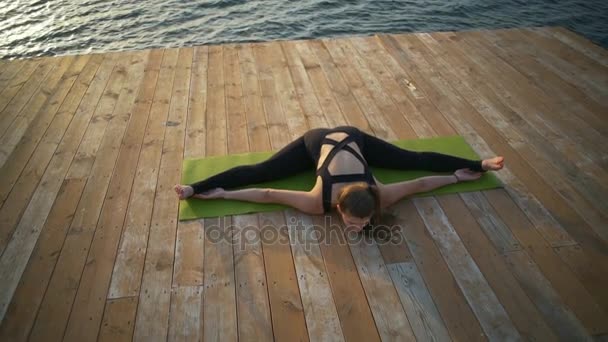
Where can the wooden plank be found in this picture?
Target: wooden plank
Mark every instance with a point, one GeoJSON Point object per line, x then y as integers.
{"type": "Point", "coordinates": [389, 315]}
{"type": "Point", "coordinates": [4, 64]}
{"type": "Point", "coordinates": [398, 85]}
{"type": "Point", "coordinates": [319, 308]}
{"type": "Point", "coordinates": [190, 243]}
{"type": "Point", "coordinates": [275, 118]}
{"type": "Point", "coordinates": [286, 93]}
{"type": "Point", "coordinates": [236, 123]}
{"type": "Point", "coordinates": [488, 219]}
{"type": "Point", "coordinates": [216, 104]}
{"type": "Point", "coordinates": [568, 96]}
{"type": "Point", "coordinates": [543, 220]}
{"type": "Point", "coordinates": [320, 85]}
{"type": "Point", "coordinates": [422, 115]}
{"type": "Point", "coordinates": [155, 293]}
{"type": "Point", "coordinates": [518, 305]}
{"type": "Point", "coordinates": [393, 247]}
{"type": "Point", "coordinates": [197, 104]}
{"type": "Point", "coordinates": [571, 64]}
{"type": "Point", "coordinates": [522, 101]}
{"type": "Point", "coordinates": [29, 88]}
{"type": "Point", "coordinates": [283, 293]}
{"type": "Point", "coordinates": [352, 306]}
{"type": "Point", "coordinates": [552, 231]}
{"type": "Point", "coordinates": [52, 123]}
{"type": "Point", "coordinates": [253, 308]}
{"type": "Point", "coordinates": [417, 302]}
{"type": "Point", "coordinates": [24, 305]}
{"type": "Point", "coordinates": [575, 101]}
{"type": "Point", "coordinates": [219, 295]}
{"type": "Point", "coordinates": [219, 299]}
{"type": "Point", "coordinates": [252, 100]}
{"type": "Point", "coordinates": [17, 253]}
{"type": "Point", "coordinates": [548, 302]}
{"type": "Point", "coordinates": [14, 68]}
{"type": "Point", "coordinates": [87, 309]}
{"type": "Point", "coordinates": [10, 216]}
{"type": "Point", "coordinates": [528, 98]}
{"type": "Point", "coordinates": [253, 295]}
{"type": "Point", "coordinates": [482, 299]}
{"type": "Point", "coordinates": [253, 311]}
{"type": "Point", "coordinates": [412, 67]}
{"type": "Point", "coordinates": [54, 88]}
{"type": "Point", "coordinates": [376, 52]}
{"type": "Point", "coordinates": [129, 264]}
{"type": "Point", "coordinates": [588, 133]}
{"type": "Point", "coordinates": [32, 177]}
{"type": "Point", "coordinates": [365, 97]}
{"type": "Point", "coordinates": [455, 311]}
{"type": "Point", "coordinates": [278, 130]}
{"type": "Point", "coordinates": [189, 253]}
{"type": "Point", "coordinates": [565, 283]}
{"type": "Point", "coordinates": [546, 156]}
{"type": "Point", "coordinates": [573, 256]}
{"type": "Point", "coordinates": [549, 169]}
{"type": "Point", "coordinates": [592, 272]}
{"type": "Point", "coordinates": [118, 320]}
{"type": "Point", "coordinates": [126, 278]}
{"type": "Point", "coordinates": [16, 81]}
{"type": "Point", "coordinates": [309, 103]}
{"type": "Point", "coordinates": [185, 318]}
{"type": "Point", "coordinates": [91, 142]}
{"type": "Point", "coordinates": [57, 303]}
{"type": "Point", "coordinates": [337, 88]}
{"type": "Point", "coordinates": [580, 43]}
{"type": "Point", "coordinates": [536, 186]}
{"type": "Point", "coordinates": [569, 52]}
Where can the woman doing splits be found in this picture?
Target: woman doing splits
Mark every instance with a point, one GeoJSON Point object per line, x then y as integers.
{"type": "Point", "coordinates": [342, 157]}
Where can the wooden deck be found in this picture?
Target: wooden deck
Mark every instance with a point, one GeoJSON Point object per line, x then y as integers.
{"type": "Point", "coordinates": [90, 147]}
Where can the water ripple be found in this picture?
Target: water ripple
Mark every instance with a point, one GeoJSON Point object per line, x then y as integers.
{"type": "Point", "coordinates": [40, 27]}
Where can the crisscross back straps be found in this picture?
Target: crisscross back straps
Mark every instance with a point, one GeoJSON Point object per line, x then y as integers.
{"type": "Point", "coordinates": [338, 146]}
{"type": "Point", "coordinates": [329, 179]}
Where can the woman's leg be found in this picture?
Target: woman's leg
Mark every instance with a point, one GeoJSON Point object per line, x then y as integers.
{"type": "Point", "coordinates": [380, 153]}
{"type": "Point", "coordinates": [288, 161]}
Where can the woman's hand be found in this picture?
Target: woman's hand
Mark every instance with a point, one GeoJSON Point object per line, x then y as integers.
{"type": "Point", "coordinates": [211, 194]}
{"type": "Point", "coordinates": [466, 175]}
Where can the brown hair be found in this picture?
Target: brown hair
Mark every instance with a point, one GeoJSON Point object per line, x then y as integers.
{"type": "Point", "coordinates": [360, 200]}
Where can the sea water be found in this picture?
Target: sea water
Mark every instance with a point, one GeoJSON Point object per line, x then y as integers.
{"type": "Point", "coordinates": [59, 27]}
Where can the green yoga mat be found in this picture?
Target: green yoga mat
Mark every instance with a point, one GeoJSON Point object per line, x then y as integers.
{"type": "Point", "coordinates": [196, 169]}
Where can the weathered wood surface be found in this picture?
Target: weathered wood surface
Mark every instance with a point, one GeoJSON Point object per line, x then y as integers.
{"type": "Point", "coordinates": [91, 145]}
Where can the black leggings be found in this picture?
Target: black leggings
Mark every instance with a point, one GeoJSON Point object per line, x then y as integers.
{"type": "Point", "coordinates": [303, 153]}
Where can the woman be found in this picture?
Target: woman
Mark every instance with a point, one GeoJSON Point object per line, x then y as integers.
{"type": "Point", "coordinates": [342, 157]}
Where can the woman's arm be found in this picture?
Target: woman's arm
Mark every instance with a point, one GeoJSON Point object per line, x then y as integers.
{"type": "Point", "coordinates": [304, 201]}
{"type": "Point", "coordinates": [391, 193]}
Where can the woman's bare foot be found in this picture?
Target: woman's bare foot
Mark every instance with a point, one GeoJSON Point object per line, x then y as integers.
{"type": "Point", "coordinates": [493, 164]}
{"type": "Point", "coordinates": [183, 191]}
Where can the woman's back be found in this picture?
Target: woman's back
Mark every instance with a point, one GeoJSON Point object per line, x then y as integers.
{"type": "Point", "coordinates": [340, 161]}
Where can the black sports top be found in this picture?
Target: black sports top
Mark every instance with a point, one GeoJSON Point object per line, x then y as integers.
{"type": "Point", "coordinates": [329, 179]}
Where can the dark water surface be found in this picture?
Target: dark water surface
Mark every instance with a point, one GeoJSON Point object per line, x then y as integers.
{"type": "Point", "coordinates": [40, 28]}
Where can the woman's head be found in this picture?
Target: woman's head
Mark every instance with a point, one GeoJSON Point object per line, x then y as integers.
{"type": "Point", "coordinates": [358, 203]}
